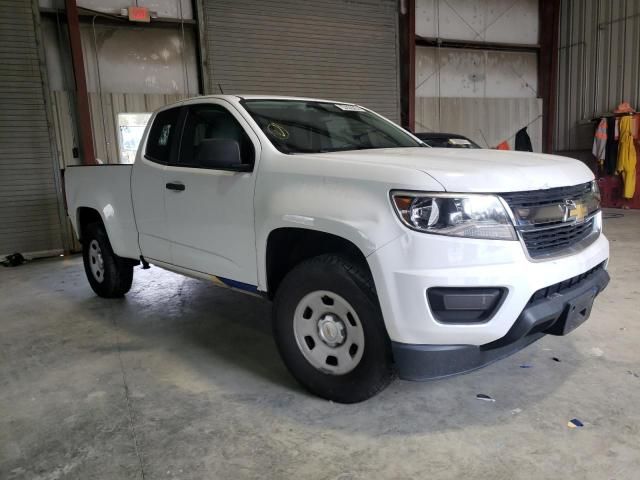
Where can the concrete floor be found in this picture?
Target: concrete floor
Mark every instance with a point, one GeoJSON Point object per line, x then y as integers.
{"type": "Point", "coordinates": [182, 380]}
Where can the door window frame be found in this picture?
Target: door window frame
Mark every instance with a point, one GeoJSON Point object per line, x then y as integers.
{"type": "Point", "coordinates": [174, 158]}
{"type": "Point", "coordinates": [174, 138]}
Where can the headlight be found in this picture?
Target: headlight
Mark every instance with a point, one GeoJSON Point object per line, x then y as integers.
{"type": "Point", "coordinates": [460, 215]}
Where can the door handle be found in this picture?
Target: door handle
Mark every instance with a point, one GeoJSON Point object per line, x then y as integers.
{"type": "Point", "coordinates": [178, 187]}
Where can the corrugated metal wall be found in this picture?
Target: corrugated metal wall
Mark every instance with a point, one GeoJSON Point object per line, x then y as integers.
{"type": "Point", "coordinates": [598, 65]}
{"type": "Point", "coordinates": [337, 49]}
{"type": "Point", "coordinates": [29, 199]}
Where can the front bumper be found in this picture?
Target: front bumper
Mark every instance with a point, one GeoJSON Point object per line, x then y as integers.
{"type": "Point", "coordinates": [545, 315]}
{"type": "Point", "coordinates": [404, 269]}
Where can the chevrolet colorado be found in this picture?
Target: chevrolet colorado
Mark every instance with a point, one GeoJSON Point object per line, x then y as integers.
{"type": "Point", "coordinates": [382, 256]}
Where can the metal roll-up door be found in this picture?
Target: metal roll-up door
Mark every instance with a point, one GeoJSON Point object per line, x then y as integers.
{"type": "Point", "coordinates": [29, 202]}
{"type": "Point", "coordinates": [337, 49]}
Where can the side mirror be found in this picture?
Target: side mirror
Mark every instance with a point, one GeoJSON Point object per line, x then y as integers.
{"type": "Point", "coordinates": [221, 154]}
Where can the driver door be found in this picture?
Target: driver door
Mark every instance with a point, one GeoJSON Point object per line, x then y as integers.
{"type": "Point", "coordinates": [210, 212]}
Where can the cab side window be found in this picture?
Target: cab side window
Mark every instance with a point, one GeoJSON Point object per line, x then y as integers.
{"type": "Point", "coordinates": [208, 122]}
{"type": "Point", "coordinates": [162, 135]}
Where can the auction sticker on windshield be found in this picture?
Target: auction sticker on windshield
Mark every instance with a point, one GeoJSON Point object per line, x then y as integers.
{"type": "Point", "coordinates": [350, 108]}
{"type": "Point", "coordinates": [459, 141]}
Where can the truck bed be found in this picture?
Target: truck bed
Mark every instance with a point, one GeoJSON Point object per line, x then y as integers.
{"type": "Point", "coordinates": [107, 190]}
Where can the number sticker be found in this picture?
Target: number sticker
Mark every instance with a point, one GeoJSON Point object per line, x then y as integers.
{"type": "Point", "coordinates": [459, 141]}
{"type": "Point", "coordinates": [350, 108]}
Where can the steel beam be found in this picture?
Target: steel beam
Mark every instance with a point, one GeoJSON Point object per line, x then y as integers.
{"type": "Point", "coordinates": [409, 64]}
{"type": "Point", "coordinates": [83, 113]}
{"type": "Point", "coordinates": [548, 67]}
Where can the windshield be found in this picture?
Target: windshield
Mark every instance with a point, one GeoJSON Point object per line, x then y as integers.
{"type": "Point", "coordinates": [299, 126]}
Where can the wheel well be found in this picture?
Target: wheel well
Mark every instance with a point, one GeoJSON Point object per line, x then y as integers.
{"type": "Point", "coordinates": [87, 216]}
{"type": "Point", "coordinates": [287, 247]}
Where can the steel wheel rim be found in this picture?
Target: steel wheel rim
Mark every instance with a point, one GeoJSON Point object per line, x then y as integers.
{"type": "Point", "coordinates": [96, 263]}
{"type": "Point", "coordinates": [328, 332]}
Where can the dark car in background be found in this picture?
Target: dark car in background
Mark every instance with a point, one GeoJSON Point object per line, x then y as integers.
{"type": "Point", "coordinates": [446, 140]}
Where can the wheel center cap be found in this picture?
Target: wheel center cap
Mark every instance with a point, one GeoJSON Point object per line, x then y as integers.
{"type": "Point", "coordinates": [331, 330]}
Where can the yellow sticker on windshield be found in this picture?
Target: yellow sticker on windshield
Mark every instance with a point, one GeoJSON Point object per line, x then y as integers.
{"type": "Point", "coordinates": [278, 131]}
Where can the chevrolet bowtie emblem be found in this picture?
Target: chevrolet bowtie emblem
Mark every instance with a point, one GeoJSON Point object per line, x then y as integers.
{"type": "Point", "coordinates": [574, 211]}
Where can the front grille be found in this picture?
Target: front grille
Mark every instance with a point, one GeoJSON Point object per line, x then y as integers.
{"type": "Point", "coordinates": [553, 239]}
{"type": "Point", "coordinates": [561, 287]}
{"type": "Point", "coordinates": [542, 235]}
{"type": "Point", "coordinates": [551, 196]}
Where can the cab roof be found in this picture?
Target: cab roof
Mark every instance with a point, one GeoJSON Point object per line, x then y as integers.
{"type": "Point", "coordinates": [235, 98]}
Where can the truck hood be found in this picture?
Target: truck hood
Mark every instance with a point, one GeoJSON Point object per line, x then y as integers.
{"type": "Point", "coordinates": [475, 170]}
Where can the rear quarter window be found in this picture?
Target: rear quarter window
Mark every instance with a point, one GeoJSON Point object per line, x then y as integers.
{"type": "Point", "coordinates": [161, 135]}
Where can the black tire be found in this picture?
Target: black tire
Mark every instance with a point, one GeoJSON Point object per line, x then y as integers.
{"type": "Point", "coordinates": [117, 273]}
{"type": "Point", "coordinates": [352, 282]}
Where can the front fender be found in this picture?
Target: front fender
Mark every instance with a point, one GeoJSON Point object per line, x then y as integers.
{"type": "Point", "coordinates": [343, 204]}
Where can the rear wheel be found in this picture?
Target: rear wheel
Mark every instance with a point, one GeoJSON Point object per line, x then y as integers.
{"type": "Point", "coordinates": [329, 330]}
{"type": "Point", "coordinates": [109, 275]}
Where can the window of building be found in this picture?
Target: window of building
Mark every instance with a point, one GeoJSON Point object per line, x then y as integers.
{"type": "Point", "coordinates": [130, 130]}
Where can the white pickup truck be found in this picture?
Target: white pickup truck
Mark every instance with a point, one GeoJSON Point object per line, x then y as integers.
{"type": "Point", "coordinates": [382, 256]}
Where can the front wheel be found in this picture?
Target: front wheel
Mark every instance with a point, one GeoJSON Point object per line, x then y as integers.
{"type": "Point", "coordinates": [109, 275]}
{"type": "Point", "coordinates": [329, 330]}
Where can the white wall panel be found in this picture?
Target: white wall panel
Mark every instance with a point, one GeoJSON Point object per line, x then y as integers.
{"type": "Point", "coordinates": [139, 60]}
{"type": "Point", "coordinates": [448, 72]}
{"type": "Point", "coordinates": [127, 59]}
{"type": "Point", "coordinates": [487, 121]}
{"type": "Point", "coordinates": [485, 94]}
{"type": "Point", "coordinates": [507, 21]}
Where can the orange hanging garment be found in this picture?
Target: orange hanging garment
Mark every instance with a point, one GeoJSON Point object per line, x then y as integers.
{"type": "Point", "coordinates": [627, 158]}
{"type": "Point", "coordinates": [600, 141]}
